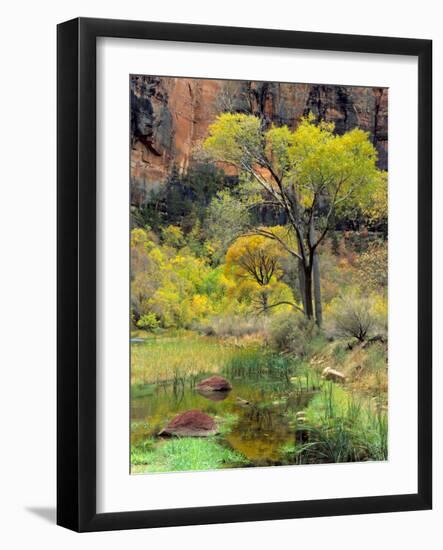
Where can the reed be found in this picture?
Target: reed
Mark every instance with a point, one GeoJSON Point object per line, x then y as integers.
{"type": "Point", "coordinates": [175, 358]}
{"type": "Point", "coordinates": [340, 428]}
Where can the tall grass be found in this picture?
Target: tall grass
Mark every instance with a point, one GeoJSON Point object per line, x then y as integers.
{"type": "Point", "coordinates": [253, 363]}
{"type": "Point", "coordinates": [173, 359]}
{"type": "Point", "coordinates": [340, 428]}
{"type": "Point", "coordinates": [306, 379]}
{"type": "Point", "coordinates": [181, 359]}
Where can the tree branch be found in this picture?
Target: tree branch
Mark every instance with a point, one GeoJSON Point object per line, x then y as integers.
{"type": "Point", "coordinates": [270, 235]}
{"type": "Point", "coordinates": [283, 303]}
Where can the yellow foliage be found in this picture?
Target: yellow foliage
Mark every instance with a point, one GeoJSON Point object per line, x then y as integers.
{"type": "Point", "coordinates": [309, 160]}
{"type": "Point", "coordinates": [201, 306]}
{"type": "Point", "coordinates": [255, 257]}
{"type": "Point", "coordinates": [172, 235]}
{"type": "Point", "coordinates": [175, 285]}
{"type": "Point", "coordinates": [380, 305]}
{"type": "Point", "coordinates": [138, 236]}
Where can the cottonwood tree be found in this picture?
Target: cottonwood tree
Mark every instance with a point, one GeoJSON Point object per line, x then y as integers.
{"type": "Point", "coordinates": [309, 173]}
{"type": "Point", "coordinates": [255, 260]}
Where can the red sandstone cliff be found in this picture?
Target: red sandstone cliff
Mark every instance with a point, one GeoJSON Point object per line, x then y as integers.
{"type": "Point", "coordinates": [170, 117]}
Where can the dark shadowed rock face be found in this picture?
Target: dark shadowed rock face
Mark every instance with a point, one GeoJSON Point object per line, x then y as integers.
{"type": "Point", "coordinates": [192, 423]}
{"type": "Point", "coordinates": [349, 107]}
{"type": "Point", "coordinates": [170, 117]}
{"type": "Point", "coordinates": [215, 384]}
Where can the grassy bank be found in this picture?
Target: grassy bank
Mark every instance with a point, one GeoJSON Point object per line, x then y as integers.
{"type": "Point", "coordinates": [364, 365]}
{"type": "Point", "coordinates": [186, 356]}
{"type": "Point", "coordinates": [339, 423]}
{"type": "Point", "coordinates": [337, 426]}
{"type": "Point", "coordinates": [183, 454]}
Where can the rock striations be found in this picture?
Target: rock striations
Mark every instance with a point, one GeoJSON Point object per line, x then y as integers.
{"type": "Point", "coordinates": [170, 118]}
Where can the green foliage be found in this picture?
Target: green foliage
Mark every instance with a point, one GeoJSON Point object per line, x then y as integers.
{"type": "Point", "coordinates": [184, 454]}
{"type": "Point", "coordinates": [255, 363]}
{"type": "Point", "coordinates": [309, 161]}
{"type": "Point", "coordinates": [340, 429]}
{"type": "Point", "coordinates": [226, 218]}
{"type": "Point", "coordinates": [148, 321]}
{"type": "Point", "coordinates": [183, 199]}
{"type": "Point", "coordinates": [210, 253]}
{"type": "Point", "coordinates": [291, 332]}
{"type": "Point", "coordinates": [141, 451]}
{"type": "Point", "coordinates": [172, 235]}
{"type": "Point", "coordinates": [375, 204]}
{"type": "Point", "coordinates": [172, 287]}
{"type": "Point", "coordinates": [299, 172]}
{"type": "Point", "coordinates": [236, 139]}
{"type": "Point", "coordinates": [169, 281]}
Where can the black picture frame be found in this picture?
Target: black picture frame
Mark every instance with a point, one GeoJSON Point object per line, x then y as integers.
{"type": "Point", "coordinates": [76, 264]}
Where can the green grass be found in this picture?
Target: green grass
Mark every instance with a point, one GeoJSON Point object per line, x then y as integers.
{"type": "Point", "coordinates": [340, 428]}
{"type": "Point", "coordinates": [140, 451]}
{"type": "Point", "coordinates": [256, 363]}
{"type": "Point", "coordinates": [226, 422]}
{"type": "Point", "coordinates": [339, 354]}
{"type": "Point", "coordinates": [184, 454]}
{"type": "Point", "coordinates": [306, 379]}
{"type": "Point", "coordinates": [339, 425]}
{"type": "Point", "coordinates": [182, 358]}
{"type": "Point", "coordinates": [315, 345]}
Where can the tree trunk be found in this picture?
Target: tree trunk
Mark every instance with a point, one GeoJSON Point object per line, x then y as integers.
{"type": "Point", "coordinates": [309, 312]}
{"type": "Point", "coordinates": [302, 283]}
{"type": "Point", "coordinates": [316, 278]}
{"type": "Point", "coordinates": [317, 290]}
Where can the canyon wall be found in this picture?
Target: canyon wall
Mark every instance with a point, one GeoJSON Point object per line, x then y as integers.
{"type": "Point", "coordinates": [170, 118]}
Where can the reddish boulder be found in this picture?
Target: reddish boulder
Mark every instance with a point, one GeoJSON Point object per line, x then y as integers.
{"type": "Point", "coordinates": [213, 395]}
{"type": "Point", "coordinates": [192, 423]}
{"type": "Point", "coordinates": [214, 383]}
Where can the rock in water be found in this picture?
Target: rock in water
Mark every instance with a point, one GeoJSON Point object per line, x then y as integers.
{"type": "Point", "coordinates": [214, 383]}
{"type": "Point", "coordinates": [192, 423]}
{"type": "Point", "coordinates": [242, 402]}
{"type": "Point", "coordinates": [213, 395]}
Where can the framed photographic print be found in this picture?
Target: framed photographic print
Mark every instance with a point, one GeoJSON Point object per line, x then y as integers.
{"type": "Point", "coordinates": [244, 274]}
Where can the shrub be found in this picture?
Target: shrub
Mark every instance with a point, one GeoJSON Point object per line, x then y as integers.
{"type": "Point", "coordinates": [290, 332]}
{"type": "Point", "coordinates": [148, 322]}
{"type": "Point", "coordinates": [356, 316]}
{"type": "Point", "coordinates": [236, 326]}
{"type": "Point", "coordinates": [172, 235]}
{"type": "Point", "coordinates": [372, 266]}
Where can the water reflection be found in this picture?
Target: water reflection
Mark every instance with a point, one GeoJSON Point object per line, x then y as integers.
{"type": "Point", "coordinates": [262, 426]}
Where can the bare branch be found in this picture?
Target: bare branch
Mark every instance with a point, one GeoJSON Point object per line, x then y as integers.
{"type": "Point", "coordinates": [283, 303]}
